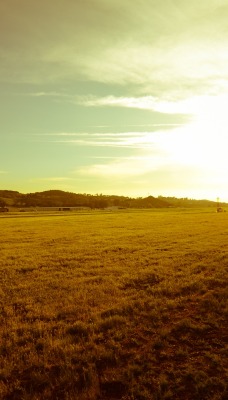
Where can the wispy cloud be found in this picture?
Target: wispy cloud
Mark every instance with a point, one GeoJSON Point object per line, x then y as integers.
{"type": "Point", "coordinates": [145, 103]}
{"type": "Point", "coordinates": [137, 140]}
{"type": "Point", "coordinates": [192, 105]}
{"type": "Point", "coordinates": [46, 94]}
{"type": "Point", "coordinates": [127, 167]}
{"type": "Point", "coordinates": [170, 105]}
{"type": "Point", "coordinates": [159, 47]}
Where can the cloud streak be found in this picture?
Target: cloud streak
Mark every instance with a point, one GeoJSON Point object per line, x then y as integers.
{"type": "Point", "coordinates": [189, 106]}
{"type": "Point", "coordinates": [123, 167]}
{"type": "Point", "coordinates": [137, 140]}
{"type": "Point", "coordinates": [144, 103]}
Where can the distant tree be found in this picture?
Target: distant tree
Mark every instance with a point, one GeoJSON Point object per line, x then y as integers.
{"type": "Point", "coordinates": [2, 203]}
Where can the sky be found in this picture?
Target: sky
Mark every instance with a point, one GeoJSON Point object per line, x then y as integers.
{"type": "Point", "coordinates": [124, 97]}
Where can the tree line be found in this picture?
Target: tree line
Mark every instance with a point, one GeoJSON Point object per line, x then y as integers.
{"type": "Point", "coordinates": [59, 198]}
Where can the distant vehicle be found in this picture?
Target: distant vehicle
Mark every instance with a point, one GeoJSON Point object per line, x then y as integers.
{"type": "Point", "coordinates": [4, 209]}
{"type": "Point", "coordinates": [220, 209]}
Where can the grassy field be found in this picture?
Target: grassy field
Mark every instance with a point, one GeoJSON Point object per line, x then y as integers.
{"type": "Point", "coordinates": [123, 305]}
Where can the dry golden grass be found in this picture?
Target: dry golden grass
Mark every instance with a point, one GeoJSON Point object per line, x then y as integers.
{"type": "Point", "coordinates": [125, 305]}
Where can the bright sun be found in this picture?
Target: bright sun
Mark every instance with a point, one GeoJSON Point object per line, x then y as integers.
{"type": "Point", "coordinates": [202, 144]}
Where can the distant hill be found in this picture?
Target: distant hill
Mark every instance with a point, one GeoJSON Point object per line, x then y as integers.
{"type": "Point", "coordinates": [59, 198]}
{"type": "Point", "coordinates": [190, 203]}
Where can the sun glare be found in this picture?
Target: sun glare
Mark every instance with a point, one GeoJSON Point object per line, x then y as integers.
{"type": "Point", "coordinates": [203, 142]}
